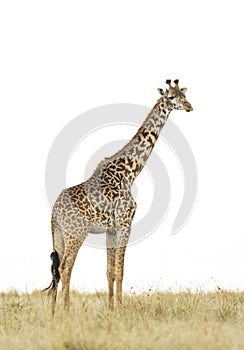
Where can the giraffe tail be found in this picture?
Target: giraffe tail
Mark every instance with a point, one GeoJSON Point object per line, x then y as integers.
{"type": "Point", "coordinates": [55, 273]}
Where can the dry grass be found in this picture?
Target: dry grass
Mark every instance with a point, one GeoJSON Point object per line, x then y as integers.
{"type": "Point", "coordinates": [148, 321]}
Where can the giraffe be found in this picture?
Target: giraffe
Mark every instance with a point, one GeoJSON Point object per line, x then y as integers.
{"type": "Point", "coordinates": [104, 202]}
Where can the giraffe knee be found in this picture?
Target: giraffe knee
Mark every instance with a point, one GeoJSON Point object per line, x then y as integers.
{"type": "Point", "coordinates": [119, 275]}
{"type": "Point", "coordinates": [110, 274]}
{"type": "Point", "coordinates": [64, 271]}
{"type": "Point", "coordinates": [110, 277]}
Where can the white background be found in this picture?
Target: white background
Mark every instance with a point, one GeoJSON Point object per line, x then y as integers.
{"type": "Point", "coordinates": [59, 59]}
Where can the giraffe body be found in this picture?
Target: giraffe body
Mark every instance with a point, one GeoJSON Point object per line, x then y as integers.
{"type": "Point", "coordinates": [104, 202]}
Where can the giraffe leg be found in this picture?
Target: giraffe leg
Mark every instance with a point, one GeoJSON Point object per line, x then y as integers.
{"type": "Point", "coordinates": [72, 247]}
{"type": "Point", "coordinates": [53, 298]}
{"type": "Point", "coordinates": [122, 240]}
{"type": "Point", "coordinates": [119, 273]}
{"type": "Point", "coordinates": [65, 273]}
{"type": "Point", "coordinates": [111, 248]}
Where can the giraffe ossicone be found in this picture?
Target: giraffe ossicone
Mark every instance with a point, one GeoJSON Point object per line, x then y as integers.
{"type": "Point", "coordinates": [104, 202]}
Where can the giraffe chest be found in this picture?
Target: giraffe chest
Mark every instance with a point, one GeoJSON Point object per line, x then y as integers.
{"type": "Point", "coordinates": [102, 216]}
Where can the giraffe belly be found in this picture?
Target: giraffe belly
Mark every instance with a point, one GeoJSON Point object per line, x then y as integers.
{"type": "Point", "coordinates": [97, 228]}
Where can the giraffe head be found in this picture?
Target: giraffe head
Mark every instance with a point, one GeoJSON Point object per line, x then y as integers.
{"type": "Point", "coordinates": [175, 97]}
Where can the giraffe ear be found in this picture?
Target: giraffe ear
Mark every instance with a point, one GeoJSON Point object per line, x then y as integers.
{"type": "Point", "coordinates": [161, 91]}
{"type": "Point", "coordinates": [183, 90]}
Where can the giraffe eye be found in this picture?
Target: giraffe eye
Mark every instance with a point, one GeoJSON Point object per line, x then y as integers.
{"type": "Point", "coordinates": [171, 97]}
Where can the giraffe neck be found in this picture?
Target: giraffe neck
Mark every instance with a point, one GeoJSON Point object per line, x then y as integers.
{"type": "Point", "coordinates": [135, 153]}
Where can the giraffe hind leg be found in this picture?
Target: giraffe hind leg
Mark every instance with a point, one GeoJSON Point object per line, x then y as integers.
{"type": "Point", "coordinates": [66, 266]}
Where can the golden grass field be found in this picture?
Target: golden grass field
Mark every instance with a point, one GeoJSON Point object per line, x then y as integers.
{"type": "Point", "coordinates": [152, 320]}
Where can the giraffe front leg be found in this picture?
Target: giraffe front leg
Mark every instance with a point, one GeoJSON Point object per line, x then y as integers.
{"type": "Point", "coordinates": [119, 274]}
{"type": "Point", "coordinates": [111, 276]}
{"type": "Point", "coordinates": [122, 240]}
{"type": "Point", "coordinates": [111, 247]}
